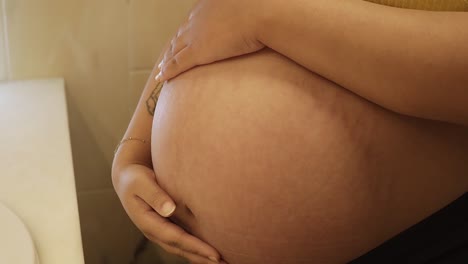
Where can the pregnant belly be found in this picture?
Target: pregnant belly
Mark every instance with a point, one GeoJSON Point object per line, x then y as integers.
{"type": "Point", "coordinates": [270, 163]}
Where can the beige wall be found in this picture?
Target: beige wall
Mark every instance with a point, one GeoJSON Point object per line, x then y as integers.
{"type": "Point", "coordinates": [105, 50]}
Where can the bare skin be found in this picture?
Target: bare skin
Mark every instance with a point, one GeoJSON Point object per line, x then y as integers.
{"type": "Point", "coordinates": [417, 59]}
{"type": "Point", "coordinates": [425, 78]}
{"type": "Point", "coordinates": [270, 163]}
{"type": "Point", "coordinates": [146, 203]}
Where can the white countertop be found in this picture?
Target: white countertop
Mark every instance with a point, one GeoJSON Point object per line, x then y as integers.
{"type": "Point", "coordinates": [37, 180]}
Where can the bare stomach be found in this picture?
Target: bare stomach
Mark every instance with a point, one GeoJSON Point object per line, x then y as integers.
{"type": "Point", "coordinates": [270, 163]}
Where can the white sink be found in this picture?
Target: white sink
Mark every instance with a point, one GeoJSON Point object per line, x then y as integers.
{"type": "Point", "coordinates": [36, 175]}
{"type": "Point", "coordinates": [16, 244]}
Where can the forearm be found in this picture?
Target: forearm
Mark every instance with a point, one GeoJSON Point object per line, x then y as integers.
{"type": "Point", "coordinates": [140, 127]}
{"type": "Point", "coordinates": [409, 61]}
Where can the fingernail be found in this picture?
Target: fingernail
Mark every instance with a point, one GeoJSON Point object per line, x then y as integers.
{"type": "Point", "coordinates": [167, 209]}
{"type": "Point", "coordinates": [160, 64]}
{"type": "Point", "coordinates": [215, 260]}
{"type": "Point", "coordinates": [158, 77]}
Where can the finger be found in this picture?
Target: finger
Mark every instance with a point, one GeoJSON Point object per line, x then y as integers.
{"type": "Point", "coordinates": [174, 48]}
{"type": "Point", "coordinates": [179, 63]}
{"type": "Point", "coordinates": [178, 44]}
{"type": "Point", "coordinates": [161, 230]}
{"type": "Point", "coordinates": [167, 51]}
{"type": "Point", "coordinates": [193, 258]}
{"type": "Point", "coordinates": [167, 46]}
{"type": "Point", "coordinates": [180, 40]}
{"type": "Point", "coordinates": [167, 54]}
{"type": "Point", "coordinates": [160, 60]}
{"type": "Point", "coordinates": [149, 191]}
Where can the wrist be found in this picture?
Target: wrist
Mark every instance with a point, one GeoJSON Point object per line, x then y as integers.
{"type": "Point", "coordinates": [132, 151]}
{"type": "Point", "coordinates": [143, 141]}
{"type": "Point", "coordinates": [122, 162]}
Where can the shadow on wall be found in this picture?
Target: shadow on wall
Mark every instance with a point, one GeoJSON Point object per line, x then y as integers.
{"type": "Point", "coordinates": [88, 158]}
{"type": "Point", "coordinates": [148, 253]}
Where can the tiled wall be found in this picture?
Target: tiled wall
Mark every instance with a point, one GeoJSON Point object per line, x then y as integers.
{"type": "Point", "coordinates": [105, 50]}
{"type": "Point", "coordinates": [3, 48]}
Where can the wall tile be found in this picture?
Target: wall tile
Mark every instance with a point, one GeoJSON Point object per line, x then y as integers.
{"type": "Point", "coordinates": [86, 42]}
{"type": "Point", "coordinates": [151, 24]}
{"type": "Point", "coordinates": [109, 237]}
{"type": "Point", "coordinates": [167, 258]}
{"type": "Point", "coordinates": [3, 48]}
{"type": "Point", "coordinates": [93, 44]}
{"type": "Point", "coordinates": [154, 254]}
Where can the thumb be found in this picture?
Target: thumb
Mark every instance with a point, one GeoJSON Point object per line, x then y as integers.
{"type": "Point", "coordinates": [151, 193]}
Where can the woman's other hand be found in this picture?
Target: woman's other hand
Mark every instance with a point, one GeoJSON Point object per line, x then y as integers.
{"type": "Point", "coordinates": [148, 206]}
{"type": "Point", "coordinates": [215, 30]}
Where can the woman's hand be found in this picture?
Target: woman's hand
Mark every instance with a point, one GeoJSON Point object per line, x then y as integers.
{"type": "Point", "coordinates": [215, 30]}
{"type": "Point", "coordinates": [148, 205]}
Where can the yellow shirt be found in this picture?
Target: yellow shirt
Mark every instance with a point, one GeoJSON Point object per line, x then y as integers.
{"type": "Point", "coordinates": [436, 5]}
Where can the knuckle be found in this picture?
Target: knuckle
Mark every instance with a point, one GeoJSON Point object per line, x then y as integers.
{"type": "Point", "coordinates": [183, 32]}
{"type": "Point", "coordinates": [194, 251]}
{"type": "Point", "coordinates": [191, 15]}
{"type": "Point", "coordinates": [175, 61]}
{"type": "Point", "coordinates": [173, 243]}
{"type": "Point", "coordinates": [156, 193]}
{"type": "Point", "coordinates": [165, 236]}
{"type": "Point", "coordinates": [159, 193]}
{"type": "Point", "coordinates": [181, 253]}
{"type": "Point", "coordinates": [155, 203]}
{"type": "Point", "coordinates": [158, 200]}
{"type": "Point", "coordinates": [172, 250]}
{"type": "Point", "coordinates": [152, 233]}
{"type": "Point", "coordinates": [167, 54]}
{"type": "Point", "coordinates": [176, 240]}
{"type": "Point", "coordinates": [175, 45]}
{"type": "Point", "coordinates": [172, 43]}
{"type": "Point", "coordinates": [180, 31]}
